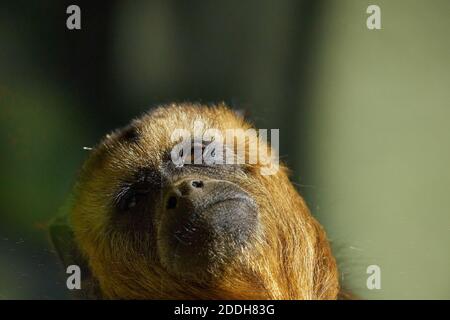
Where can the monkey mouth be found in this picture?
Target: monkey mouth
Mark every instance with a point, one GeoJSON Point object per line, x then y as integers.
{"type": "Point", "coordinates": [199, 243]}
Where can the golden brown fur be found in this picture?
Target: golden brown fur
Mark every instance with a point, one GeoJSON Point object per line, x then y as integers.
{"type": "Point", "coordinates": [288, 258]}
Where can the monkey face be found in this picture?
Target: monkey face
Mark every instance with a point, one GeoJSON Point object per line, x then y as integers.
{"type": "Point", "coordinates": [150, 228]}
{"type": "Point", "coordinates": [196, 218]}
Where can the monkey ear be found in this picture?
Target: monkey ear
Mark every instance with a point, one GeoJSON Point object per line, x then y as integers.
{"type": "Point", "coordinates": [63, 240]}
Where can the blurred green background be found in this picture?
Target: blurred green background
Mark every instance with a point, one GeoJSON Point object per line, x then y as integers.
{"type": "Point", "coordinates": [363, 116]}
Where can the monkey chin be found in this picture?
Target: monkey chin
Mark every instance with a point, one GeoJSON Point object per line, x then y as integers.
{"type": "Point", "coordinates": [198, 238]}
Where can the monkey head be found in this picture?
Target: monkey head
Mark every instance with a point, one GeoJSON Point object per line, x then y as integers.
{"type": "Point", "coordinates": [148, 228]}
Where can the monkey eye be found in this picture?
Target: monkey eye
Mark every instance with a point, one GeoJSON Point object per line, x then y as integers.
{"type": "Point", "coordinates": [130, 202]}
{"type": "Point", "coordinates": [130, 197]}
{"type": "Point", "coordinates": [203, 148]}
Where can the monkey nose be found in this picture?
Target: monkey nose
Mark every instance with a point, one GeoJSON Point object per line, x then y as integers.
{"type": "Point", "coordinates": [184, 191]}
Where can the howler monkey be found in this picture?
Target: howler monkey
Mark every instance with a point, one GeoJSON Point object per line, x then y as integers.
{"type": "Point", "coordinates": [141, 227]}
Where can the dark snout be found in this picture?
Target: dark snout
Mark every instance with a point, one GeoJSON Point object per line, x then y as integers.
{"type": "Point", "coordinates": [203, 219]}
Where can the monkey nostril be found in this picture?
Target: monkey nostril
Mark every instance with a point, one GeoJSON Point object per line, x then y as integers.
{"type": "Point", "coordinates": [171, 202]}
{"type": "Point", "coordinates": [197, 184]}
